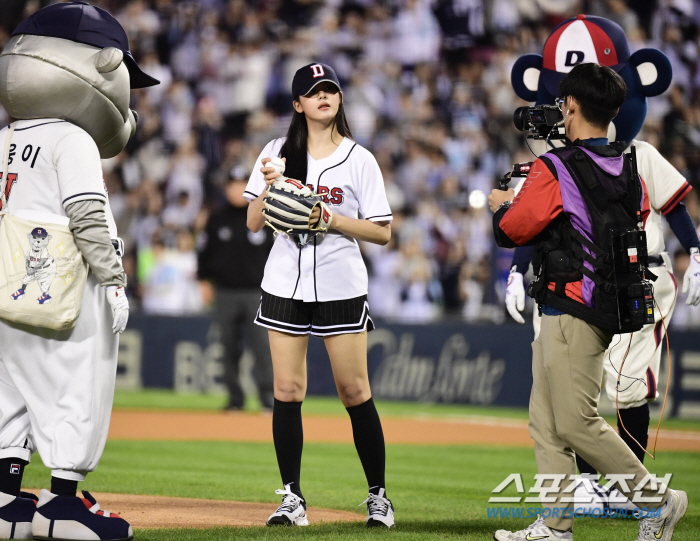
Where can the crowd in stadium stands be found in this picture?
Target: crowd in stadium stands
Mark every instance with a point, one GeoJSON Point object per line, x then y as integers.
{"type": "Point", "coordinates": [427, 90]}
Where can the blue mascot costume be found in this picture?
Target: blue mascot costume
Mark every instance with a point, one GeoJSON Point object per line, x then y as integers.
{"type": "Point", "coordinates": [647, 72]}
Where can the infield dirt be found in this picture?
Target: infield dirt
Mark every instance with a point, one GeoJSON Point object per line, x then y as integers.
{"type": "Point", "coordinates": [257, 427]}
{"type": "Point", "coordinates": [169, 512]}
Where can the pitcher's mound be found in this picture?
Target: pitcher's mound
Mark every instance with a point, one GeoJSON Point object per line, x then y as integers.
{"type": "Point", "coordinates": [168, 512]}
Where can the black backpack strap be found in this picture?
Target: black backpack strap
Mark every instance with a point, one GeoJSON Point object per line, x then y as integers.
{"type": "Point", "coordinates": [584, 169]}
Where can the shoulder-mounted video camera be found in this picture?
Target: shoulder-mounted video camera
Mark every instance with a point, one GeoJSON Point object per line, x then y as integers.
{"type": "Point", "coordinates": [542, 121]}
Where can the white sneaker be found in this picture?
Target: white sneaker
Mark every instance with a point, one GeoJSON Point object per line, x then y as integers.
{"type": "Point", "coordinates": [292, 512]}
{"type": "Point", "coordinates": [380, 510]}
{"type": "Point", "coordinates": [536, 530]}
{"type": "Point", "coordinates": [661, 528]}
{"type": "Point", "coordinates": [590, 498]}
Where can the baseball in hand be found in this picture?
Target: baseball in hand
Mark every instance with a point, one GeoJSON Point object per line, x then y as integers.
{"type": "Point", "coordinates": [277, 164]}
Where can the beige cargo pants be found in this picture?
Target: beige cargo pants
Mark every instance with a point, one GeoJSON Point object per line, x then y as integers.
{"type": "Point", "coordinates": [567, 370]}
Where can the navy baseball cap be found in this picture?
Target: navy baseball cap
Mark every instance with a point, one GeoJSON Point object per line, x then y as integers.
{"type": "Point", "coordinates": [306, 78]}
{"type": "Point", "coordinates": [83, 23]}
{"type": "Point", "coordinates": [39, 233]}
{"type": "Point", "coordinates": [584, 38]}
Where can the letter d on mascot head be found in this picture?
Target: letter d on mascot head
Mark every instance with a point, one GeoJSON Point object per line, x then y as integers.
{"type": "Point", "coordinates": [72, 61]}
{"type": "Point", "coordinates": [587, 38]}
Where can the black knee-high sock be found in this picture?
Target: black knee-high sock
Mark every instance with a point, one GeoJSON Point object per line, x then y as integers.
{"type": "Point", "coordinates": [11, 472]}
{"type": "Point", "coordinates": [369, 442]}
{"type": "Point", "coordinates": [636, 422]}
{"type": "Point", "coordinates": [584, 467]}
{"type": "Point", "coordinates": [288, 435]}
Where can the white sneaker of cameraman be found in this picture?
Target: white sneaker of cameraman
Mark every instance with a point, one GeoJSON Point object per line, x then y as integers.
{"type": "Point", "coordinates": [536, 530]}
{"type": "Point", "coordinates": [661, 528]}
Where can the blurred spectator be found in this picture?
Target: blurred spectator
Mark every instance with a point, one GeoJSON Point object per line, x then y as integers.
{"type": "Point", "coordinates": [170, 285]}
{"type": "Point", "coordinates": [231, 263]}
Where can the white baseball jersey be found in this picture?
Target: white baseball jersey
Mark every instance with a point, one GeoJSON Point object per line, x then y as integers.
{"type": "Point", "coordinates": [666, 187]}
{"type": "Point", "coordinates": [52, 163]}
{"type": "Point", "coordinates": [64, 378]}
{"type": "Point", "coordinates": [39, 259]}
{"type": "Point", "coordinates": [330, 267]}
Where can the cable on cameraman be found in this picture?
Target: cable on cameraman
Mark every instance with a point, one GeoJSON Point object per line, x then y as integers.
{"type": "Point", "coordinates": [619, 372]}
{"type": "Point", "coordinates": [530, 148]}
{"type": "Point", "coordinates": [668, 382]}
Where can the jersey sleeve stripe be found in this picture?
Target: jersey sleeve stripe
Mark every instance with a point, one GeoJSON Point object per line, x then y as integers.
{"type": "Point", "coordinates": [677, 198]}
{"type": "Point", "coordinates": [251, 193]}
{"type": "Point", "coordinates": [37, 125]}
{"type": "Point", "coordinates": [390, 215]}
{"type": "Point", "coordinates": [99, 196]}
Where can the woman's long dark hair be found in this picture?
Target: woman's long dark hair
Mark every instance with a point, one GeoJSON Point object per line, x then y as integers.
{"type": "Point", "coordinates": [295, 147]}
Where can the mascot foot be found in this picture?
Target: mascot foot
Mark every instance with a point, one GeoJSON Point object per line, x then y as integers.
{"type": "Point", "coordinates": [71, 518]}
{"type": "Point", "coordinates": [44, 299]}
{"type": "Point", "coordinates": [17, 295]}
{"type": "Point", "coordinates": [16, 515]}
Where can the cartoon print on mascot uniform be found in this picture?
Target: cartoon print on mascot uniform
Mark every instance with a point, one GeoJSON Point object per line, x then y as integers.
{"type": "Point", "coordinates": [646, 72]}
{"type": "Point", "coordinates": [65, 78]}
{"type": "Point", "coordinates": [40, 265]}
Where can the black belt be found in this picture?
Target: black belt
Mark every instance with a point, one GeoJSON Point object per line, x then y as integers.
{"type": "Point", "coordinates": [656, 261]}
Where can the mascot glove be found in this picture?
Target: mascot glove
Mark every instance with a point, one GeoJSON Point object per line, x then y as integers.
{"type": "Point", "coordinates": [515, 296]}
{"type": "Point", "coordinates": [116, 297]}
{"type": "Point", "coordinates": [691, 280]}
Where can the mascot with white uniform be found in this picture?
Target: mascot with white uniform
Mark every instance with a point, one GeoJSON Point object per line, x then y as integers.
{"type": "Point", "coordinates": [65, 79]}
{"type": "Point", "coordinates": [646, 72]}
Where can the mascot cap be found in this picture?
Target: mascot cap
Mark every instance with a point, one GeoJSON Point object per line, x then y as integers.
{"type": "Point", "coordinates": [39, 233]}
{"type": "Point", "coordinates": [583, 39]}
{"type": "Point", "coordinates": [83, 23]}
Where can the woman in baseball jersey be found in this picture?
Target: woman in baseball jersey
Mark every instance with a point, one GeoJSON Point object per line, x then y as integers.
{"type": "Point", "coordinates": [320, 286]}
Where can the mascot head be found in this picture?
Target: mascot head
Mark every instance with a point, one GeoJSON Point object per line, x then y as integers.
{"type": "Point", "coordinates": [72, 61]}
{"type": "Point", "coordinates": [585, 38]}
{"type": "Point", "coordinates": [38, 239]}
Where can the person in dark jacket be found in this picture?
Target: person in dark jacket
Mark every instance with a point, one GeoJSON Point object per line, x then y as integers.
{"type": "Point", "coordinates": [232, 259]}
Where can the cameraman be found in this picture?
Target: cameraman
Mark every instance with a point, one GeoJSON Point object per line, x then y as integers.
{"type": "Point", "coordinates": [568, 195]}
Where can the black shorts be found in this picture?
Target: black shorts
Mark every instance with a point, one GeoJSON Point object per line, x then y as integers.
{"type": "Point", "coordinates": [317, 318]}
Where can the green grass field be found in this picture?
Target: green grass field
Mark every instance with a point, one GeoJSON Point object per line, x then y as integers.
{"type": "Point", "coordinates": [439, 492]}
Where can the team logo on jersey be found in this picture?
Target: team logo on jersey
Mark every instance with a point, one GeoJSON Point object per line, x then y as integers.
{"type": "Point", "coordinates": [11, 179]}
{"type": "Point", "coordinates": [330, 196]}
{"type": "Point", "coordinates": [317, 70]}
{"type": "Point", "coordinates": [40, 267]}
{"type": "Point", "coordinates": [303, 239]}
